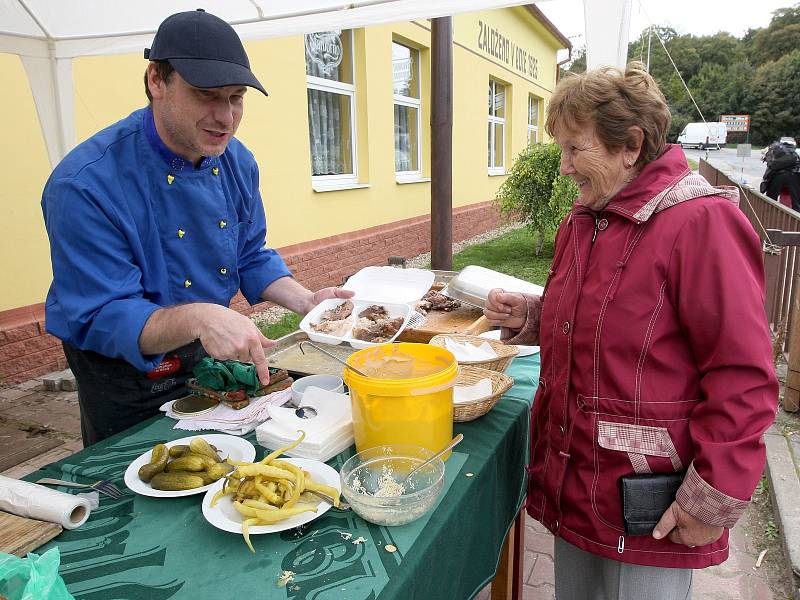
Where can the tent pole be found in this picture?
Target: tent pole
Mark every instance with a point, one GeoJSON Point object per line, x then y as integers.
{"type": "Point", "coordinates": [442, 143]}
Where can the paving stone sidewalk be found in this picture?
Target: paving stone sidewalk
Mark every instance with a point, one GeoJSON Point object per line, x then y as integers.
{"type": "Point", "coordinates": [39, 426]}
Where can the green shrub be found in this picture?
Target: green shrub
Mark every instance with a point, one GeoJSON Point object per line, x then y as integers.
{"type": "Point", "coordinates": [535, 193]}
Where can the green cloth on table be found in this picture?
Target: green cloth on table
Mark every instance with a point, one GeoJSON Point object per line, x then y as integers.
{"type": "Point", "coordinates": [147, 548]}
{"type": "Point", "coordinates": [227, 375]}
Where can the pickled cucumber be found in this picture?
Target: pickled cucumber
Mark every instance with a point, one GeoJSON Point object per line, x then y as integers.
{"type": "Point", "coordinates": [187, 463]}
{"type": "Point", "coordinates": [178, 450]}
{"type": "Point", "coordinates": [176, 481]}
{"type": "Point", "coordinates": [158, 461]}
{"type": "Point", "coordinates": [200, 446]}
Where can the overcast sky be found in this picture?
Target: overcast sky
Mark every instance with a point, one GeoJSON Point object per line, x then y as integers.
{"type": "Point", "coordinates": [698, 17]}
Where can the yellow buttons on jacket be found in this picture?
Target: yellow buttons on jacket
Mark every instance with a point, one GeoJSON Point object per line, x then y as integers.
{"type": "Point", "coordinates": [215, 170]}
{"type": "Point", "coordinates": [170, 179]}
{"type": "Point", "coordinates": [223, 271]}
{"type": "Point", "coordinates": [181, 233]}
{"type": "Point", "coordinates": [223, 224]}
{"type": "Point", "coordinates": [187, 284]}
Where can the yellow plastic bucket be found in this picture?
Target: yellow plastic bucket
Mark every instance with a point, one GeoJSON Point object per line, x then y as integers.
{"type": "Point", "coordinates": [414, 410]}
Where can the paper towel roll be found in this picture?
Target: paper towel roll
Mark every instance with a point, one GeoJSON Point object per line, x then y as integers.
{"type": "Point", "coordinates": [38, 502]}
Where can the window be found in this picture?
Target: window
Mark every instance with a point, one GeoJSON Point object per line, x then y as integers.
{"type": "Point", "coordinates": [405, 79]}
{"type": "Point", "coordinates": [533, 120]}
{"type": "Point", "coordinates": [331, 105]}
{"type": "Point", "coordinates": [497, 125]}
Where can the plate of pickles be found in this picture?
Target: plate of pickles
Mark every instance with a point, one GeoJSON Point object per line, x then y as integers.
{"type": "Point", "coordinates": [187, 466]}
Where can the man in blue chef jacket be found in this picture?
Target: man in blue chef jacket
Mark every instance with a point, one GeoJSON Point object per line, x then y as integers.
{"type": "Point", "coordinates": [154, 224]}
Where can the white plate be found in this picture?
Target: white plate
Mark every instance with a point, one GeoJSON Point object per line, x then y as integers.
{"type": "Point", "coordinates": [224, 516]}
{"type": "Point", "coordinates": [494, 334]}
{"type": "Point", "coordinates": [228, 446]}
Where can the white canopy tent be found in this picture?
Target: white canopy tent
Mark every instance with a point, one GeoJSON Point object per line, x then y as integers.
{"type": "Point", "coordinates": [47, 35]}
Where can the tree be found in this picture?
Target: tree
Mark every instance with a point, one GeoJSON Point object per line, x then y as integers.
{"type": "Point", "coordinates": [535, 192]}
{"type": "Point", "coordinates": [772, 96]}
{"type": "Point", "coordinates": [779, 38]}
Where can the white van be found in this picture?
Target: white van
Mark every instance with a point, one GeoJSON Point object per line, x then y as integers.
{"type": "Point", "coordinates": [703, 135]}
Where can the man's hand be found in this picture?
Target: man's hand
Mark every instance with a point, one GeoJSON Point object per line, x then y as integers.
{"type": "Point", "coordinates": [228, 335]}
{"type": "Point", "coordinates": [224, 333]}
{"type": "Point", "coordinates": [327, 293]}
{"type": "Point", "coordinates": [683, 528]}
{"type": "Point", "coordinates": [506, 309]}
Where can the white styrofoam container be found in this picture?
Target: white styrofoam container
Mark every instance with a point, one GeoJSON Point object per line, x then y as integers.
{"type": "Point", "coordinates": [395, 289]}
{"type": "Point", "coordinates": [473, 284]}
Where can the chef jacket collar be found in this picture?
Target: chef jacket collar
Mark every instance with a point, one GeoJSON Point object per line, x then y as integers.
{"type": "Point", "coordinates": [176, 163]}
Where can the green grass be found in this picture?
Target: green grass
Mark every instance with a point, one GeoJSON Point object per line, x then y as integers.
{"type": "Point", "coordinates": [693, 164]}
{"type": "Point", "coordinates": [512, 254]}
{"type": "Point", "coordinates": [289, 323]}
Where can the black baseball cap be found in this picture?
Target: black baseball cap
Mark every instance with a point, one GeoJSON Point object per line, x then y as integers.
{"type": "Point", "coordinates": [204, 50]}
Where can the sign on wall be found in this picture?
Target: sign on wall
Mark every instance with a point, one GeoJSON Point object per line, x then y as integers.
{"type": "Point", "coordinates": [736, 122]}
{"type": "Point", "coordinates": [495, 44]}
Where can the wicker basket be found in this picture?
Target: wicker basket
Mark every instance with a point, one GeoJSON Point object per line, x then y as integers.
{"type": "Point", "coordinates": [505, 354]}
{"type": "Point", "coordinates": [467, 411]}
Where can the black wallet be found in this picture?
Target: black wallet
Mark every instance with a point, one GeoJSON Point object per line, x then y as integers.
{"type": "Point", "coordinates": [645, 498]}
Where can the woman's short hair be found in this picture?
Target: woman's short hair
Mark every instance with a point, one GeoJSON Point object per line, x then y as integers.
{"type": "Point", "coordinates": [163, 71]}
{"type": "Point", "coordinates": [612, 100]}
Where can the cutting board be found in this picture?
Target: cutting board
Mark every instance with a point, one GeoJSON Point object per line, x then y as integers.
{"type": "Point", "coordinates": [465, 320]}
{"type": "Point", "coordinates": [19, 535]}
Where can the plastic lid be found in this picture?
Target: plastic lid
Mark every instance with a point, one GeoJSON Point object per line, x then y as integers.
{"type": "Point", "coordinates": [479, 281]}
{"type": "Point", "coordinates": [390, 284]}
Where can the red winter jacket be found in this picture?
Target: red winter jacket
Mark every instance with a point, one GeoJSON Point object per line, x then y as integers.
{"type": "Point", "coordinates": [656, 357]}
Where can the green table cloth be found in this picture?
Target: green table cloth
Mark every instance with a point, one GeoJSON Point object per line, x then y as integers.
{"type": "Point", "coordinates": [159, 548]}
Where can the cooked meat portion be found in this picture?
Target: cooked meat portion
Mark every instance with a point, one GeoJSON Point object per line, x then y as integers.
{"type": "Point", "coordinates": [379, 331]}
{"type": "Point", "coordinates": [336, 328]}
{"type": "Point", "coordinates": [374, 313]}
{"type": "Point", "coordinates": [340, 312]}
{"type": "Point", "coordinates": [433, 300]}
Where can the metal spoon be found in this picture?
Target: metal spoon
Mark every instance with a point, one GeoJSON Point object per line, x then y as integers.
{"type": "Point", "coordinates": [455, 442]}
{"type": "Point", "coordinates": [336, 358]}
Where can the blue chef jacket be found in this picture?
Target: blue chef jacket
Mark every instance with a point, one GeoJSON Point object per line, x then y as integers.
{"type": "Point", "coordinates": [134, 228]}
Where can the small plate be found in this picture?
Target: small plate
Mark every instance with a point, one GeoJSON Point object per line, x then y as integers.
{"type": "Point", "coordinates": [228, 446]}
{"type": "Point", "coordinates": [224, 516]}
{"type": "Point", "coordinates": [494, 334]}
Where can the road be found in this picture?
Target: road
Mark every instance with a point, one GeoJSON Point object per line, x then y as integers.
{"type": "Point", "coordinates": [747, 171]}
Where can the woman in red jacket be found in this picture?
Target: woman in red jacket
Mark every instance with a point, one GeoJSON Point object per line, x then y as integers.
{"type": "Point", "coordinates": [656, 355]}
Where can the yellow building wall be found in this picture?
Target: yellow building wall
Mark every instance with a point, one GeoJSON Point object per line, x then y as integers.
{"type": "Point", "coordinates": [275, 129]}
{"type": "Point", "coordinates": [24, 249]}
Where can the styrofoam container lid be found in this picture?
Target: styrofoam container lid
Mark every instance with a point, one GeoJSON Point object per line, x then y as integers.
{"type": "Point", "coordinates": [474, 283]}
{"type": "Point", "coordinates": [390, 284]}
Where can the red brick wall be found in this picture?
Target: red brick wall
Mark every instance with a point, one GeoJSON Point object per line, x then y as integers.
{"type": "Point", "coordinates": [26, 351]}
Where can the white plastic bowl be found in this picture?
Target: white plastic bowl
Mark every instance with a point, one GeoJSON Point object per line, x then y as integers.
{"type": "Point", "coordinates": [331, 383]}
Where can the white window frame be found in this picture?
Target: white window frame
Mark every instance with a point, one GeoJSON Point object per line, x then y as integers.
{"type": "Point", "coordinates": [494, 120]}
{"type": "Point", "coordinates": [343, 89]}
{"type": "Point", "coordinates": [533, 128]}
{"type": "Point", "coordinates": [412, 103]}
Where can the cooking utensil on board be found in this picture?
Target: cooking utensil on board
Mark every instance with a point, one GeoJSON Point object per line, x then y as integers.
{"type": "Point", "coordinates": [455, 442]}
{"type": "Point", "coordinates": [104, 486]}
{"type": "Point", "coordinates": [336, 358]}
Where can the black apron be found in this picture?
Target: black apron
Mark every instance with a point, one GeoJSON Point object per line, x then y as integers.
{"type": "Point", "coordinates": [113, 395]}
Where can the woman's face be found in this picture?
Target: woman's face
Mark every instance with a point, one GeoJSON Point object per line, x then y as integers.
{"type": "Point", "coordinates": [599, 173]}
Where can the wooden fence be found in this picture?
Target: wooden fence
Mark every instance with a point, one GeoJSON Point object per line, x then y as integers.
{"type": "Point", "coordinates": [778, 226]}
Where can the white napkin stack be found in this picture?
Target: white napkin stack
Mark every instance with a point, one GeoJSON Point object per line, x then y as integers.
{"type": "Point", "coordinates": [476, 391]}
{"type": "Point", "coordinates": [229, 420]}
{"type": "Point", "coordinates": [327, 433]}
{"type": "Point", "coordinates": [468, 352]}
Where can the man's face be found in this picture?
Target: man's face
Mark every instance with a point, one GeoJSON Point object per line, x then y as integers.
{"type": "Point", "coordinates": [195, 122]}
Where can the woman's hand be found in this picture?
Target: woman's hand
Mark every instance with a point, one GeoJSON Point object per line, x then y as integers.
{"type": "Point", "coordinates": [683, 528]}
{"type": "Point", "coordinates": [506, 309]}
